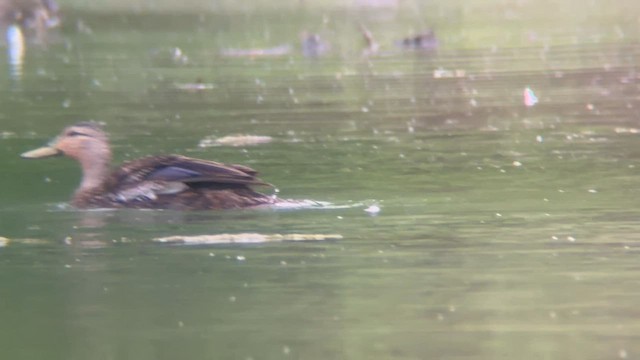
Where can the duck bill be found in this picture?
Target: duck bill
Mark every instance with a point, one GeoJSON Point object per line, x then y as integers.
{"type": "Point", "coordinates": [45, 151]}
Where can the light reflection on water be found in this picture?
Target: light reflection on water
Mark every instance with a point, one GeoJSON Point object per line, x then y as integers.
{"type": "Point", "coordinates": [503, 230]}
{"type": "Point", "coordinates": [15, 51]}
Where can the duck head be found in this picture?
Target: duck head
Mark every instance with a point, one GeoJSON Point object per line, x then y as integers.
{"type": "Point", "coordinates": [84, 142]}
{"type": "Point", "coordinates": [80, 141]}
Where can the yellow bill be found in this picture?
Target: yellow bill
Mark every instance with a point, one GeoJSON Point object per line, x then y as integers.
{"type": "Point", "coordinates": [45, 151]}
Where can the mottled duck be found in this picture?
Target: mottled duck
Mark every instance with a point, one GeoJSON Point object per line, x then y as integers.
{"type": "Point", "coordinates": [153, 182]}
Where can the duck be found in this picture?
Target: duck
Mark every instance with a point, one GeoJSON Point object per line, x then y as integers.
{"type": "Point", "coordinates": [172, 182]}
{"type": "Point", "coordinates": [423, 41]}
{"type": "Point", "coordinates": [313, 46]}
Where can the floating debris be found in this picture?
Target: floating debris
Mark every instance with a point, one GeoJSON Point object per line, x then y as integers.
{"type": "Point", "coordinates": [373, 209]}
{"type": "Point", "coordinates": [173, 55]}
{"type": "Point", "coordinates": [235, 140]}
{"type": "Point", "coordinates": [441, 73]}
{"type": "Point", "coordinates": [280, 50]}
{"type": "Point", "coordinates": [178, 56]}
{"type": "Point", "coordinates": [23, 241]}
{"type": "Point", "coordinates": [623, 130]}
{"type": "Point", "coordinates": [197, 86]}
{"type": "Point", "coordinates": [622, 354]}
{"type": "Point", "coordinates": [243, 238]}
{"type": "Point", "coordinates": [378, 4]}
{"type": "Point", "coordinates": [7, 134]}
{"type": "Point", "coordinates": [530, 98]}
{"type": "Point", "coordinates": [83, 28]}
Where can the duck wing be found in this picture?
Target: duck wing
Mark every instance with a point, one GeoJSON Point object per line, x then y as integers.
{"type": "Point", "coordinates": [176, 168]}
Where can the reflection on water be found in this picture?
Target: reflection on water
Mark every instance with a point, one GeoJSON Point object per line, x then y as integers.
{"type": "Point", "coordinates": [15, 51]}
{"type": "Point", "coordinates": [22, 19]}
{"type": "Point", "coordinates": [485, 193]}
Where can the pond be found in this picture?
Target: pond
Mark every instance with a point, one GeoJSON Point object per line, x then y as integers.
{"type": "Point", "coordinates": [450, 214]}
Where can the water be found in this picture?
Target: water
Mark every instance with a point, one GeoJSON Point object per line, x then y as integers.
{"type": "Point", "coordinates": [503, 231]}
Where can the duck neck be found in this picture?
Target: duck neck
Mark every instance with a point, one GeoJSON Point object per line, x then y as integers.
{"type": "Point", "coordinates": [94, 174]}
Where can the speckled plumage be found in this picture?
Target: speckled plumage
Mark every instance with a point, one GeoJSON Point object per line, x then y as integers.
{"type": "Point", "coordinates": [154, 182]}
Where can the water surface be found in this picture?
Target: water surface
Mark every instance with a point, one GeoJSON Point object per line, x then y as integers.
{"type": "Point", "coordinates": [504, 231]}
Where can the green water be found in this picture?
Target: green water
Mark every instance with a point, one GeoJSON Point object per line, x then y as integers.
{"type": "Point", "coordinates": [504, 231]}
